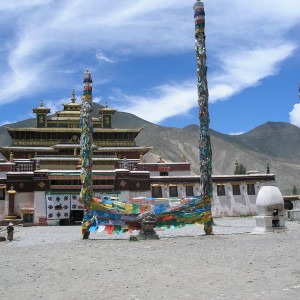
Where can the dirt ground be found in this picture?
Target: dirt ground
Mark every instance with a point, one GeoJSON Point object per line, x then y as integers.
{"type": "Point", "coordinates": [53, 262]}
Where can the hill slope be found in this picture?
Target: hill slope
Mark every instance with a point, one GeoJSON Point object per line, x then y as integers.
{"type": "Point", "coordinates": [273, 143]}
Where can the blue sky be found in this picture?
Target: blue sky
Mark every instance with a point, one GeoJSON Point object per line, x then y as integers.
{"type": "Point", "coordinates": [142, 59]}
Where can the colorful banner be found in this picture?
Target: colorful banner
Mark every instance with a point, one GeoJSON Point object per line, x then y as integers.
{"type": "Point", "coordinates": [118, 217]}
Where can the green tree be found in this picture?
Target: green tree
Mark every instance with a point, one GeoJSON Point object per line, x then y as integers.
{"type": "Point", "coordinates": [239, 169]}
{"type": "Point", "coordinates": [295, 191]}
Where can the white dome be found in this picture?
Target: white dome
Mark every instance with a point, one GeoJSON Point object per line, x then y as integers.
{"type": "Point", "coordinates": [268, 199]}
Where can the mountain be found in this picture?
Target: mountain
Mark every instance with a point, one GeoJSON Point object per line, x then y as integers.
{"type": "Point", "coordinates": [275, 144]}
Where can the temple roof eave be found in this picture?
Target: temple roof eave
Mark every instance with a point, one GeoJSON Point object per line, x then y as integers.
{"type": "Point", "coordinates": [72, 146]}
{"type": "Point", "coordinates": [22, 148]}
{"type": "Point", "coordinates": [119, 149]}
{"type": "Point", "coordinates": [41, 110]}
{"type": "Point", "coordinates": [73, 158]}
{"type": "Point", "coordinates": [50, 129]}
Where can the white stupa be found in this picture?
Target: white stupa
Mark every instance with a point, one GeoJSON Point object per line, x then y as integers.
{"type": "Point", "coordinates": [270, 209]}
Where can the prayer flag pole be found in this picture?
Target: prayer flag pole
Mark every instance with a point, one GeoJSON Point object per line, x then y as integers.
{"type": "Point", "coordinates": [86, 143]}
{"type": "Point", "coordinates": [202, 88]}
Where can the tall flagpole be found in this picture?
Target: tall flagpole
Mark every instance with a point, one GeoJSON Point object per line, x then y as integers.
{"type": "Point", "coordinates": [202, 88]}
{"type": "Point", "coordinates": [86, 143]}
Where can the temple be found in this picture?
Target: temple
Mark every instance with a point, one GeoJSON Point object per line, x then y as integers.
{"type": "Point", "coordinates": [40, 178]}
{"type": "Point", "coordinates": [54, 143]}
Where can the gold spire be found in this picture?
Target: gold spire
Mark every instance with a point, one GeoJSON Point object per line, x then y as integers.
{"type": "Point", "coordinates": [73, 99]}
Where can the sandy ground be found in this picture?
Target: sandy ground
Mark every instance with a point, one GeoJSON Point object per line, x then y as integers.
{"type": "Point", "coordinates": [55, 263]}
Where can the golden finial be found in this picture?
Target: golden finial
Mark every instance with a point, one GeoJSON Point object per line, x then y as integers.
{"type": "Point", "coordinates": [73, 99]}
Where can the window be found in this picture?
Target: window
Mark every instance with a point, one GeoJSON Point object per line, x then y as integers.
{"type": "Point", "coordinates": [164, 174]}
{"type": "Point", "coordinates": [156, 192]}
{"type": "Point", "coordinates": [173, 191]}
{"type": "Point", "coordinates": [236, 189]}
{"type": "Point", "coordinates": [189, 191]}
{"type": "Point", "coordinates": [221, 190]}
{"type": "Point", "coordinates": [2, 194]}
{"type": "Point", "coordinates": [250, 189]}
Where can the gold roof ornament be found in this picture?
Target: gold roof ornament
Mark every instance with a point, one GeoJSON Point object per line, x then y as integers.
{"type": "Point", "coordinates": [106, 110]}
{"type": "Point", "coordinates": [41, 109]}
{"type": "Point", "coordinates": [73, 99]}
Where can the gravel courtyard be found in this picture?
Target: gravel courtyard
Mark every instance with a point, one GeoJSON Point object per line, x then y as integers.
{"type": "Point", "coordinates": [53, 262]}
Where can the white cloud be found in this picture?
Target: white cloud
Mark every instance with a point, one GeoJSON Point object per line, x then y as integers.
{"type": "Point", "coordinates": [101, 56]}
{"type": "Point", "coordinates": [41, 43]}
{"type": "Point", "coordinates": [56, 105]}
{"type": "Point", "coordinates": [295, 115]}
{"type": "Point", "coordinates": [17, 5]}
{"type": "Point", "coordinates": [98, 100]}
{"type": "Point", "coordinates": [237, 133]}
{"type": "Point", "coordinates": [245, 68]}
{"type": "Point", "coordinates": [165, 101]}
{"type": "Point", "coordinates": [236, 73]}
{"type": "Point", "coordinates": [246, 42]}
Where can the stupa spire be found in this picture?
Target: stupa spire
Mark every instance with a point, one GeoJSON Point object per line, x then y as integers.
{"type": "Point", "coordinates": [73, 99]}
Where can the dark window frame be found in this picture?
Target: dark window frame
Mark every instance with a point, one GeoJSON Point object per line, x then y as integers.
{"type": "Point", "coordinates": [236, 189]}
{"type": "Point", "coordinates": [2, 194]}
{"type": "Point", "coordinates": [164, 174]}
{"type": "Point", "coordinates": [173, 191]}
{"type": "Point", "coordinates": [250, 188]}
{"type": "Point", "coordinates": [221, 190]}
{"type": "Point", "coordinates": [189, 191]}
{"type": "Point", "coordinates": [156, 192]}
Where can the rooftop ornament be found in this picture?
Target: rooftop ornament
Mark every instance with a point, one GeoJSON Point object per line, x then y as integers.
{"type": "Point", "coordinates": [73, 99]}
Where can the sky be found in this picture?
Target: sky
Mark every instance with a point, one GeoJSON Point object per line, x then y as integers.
{"type": "Point", "coordinates": [142, 58]}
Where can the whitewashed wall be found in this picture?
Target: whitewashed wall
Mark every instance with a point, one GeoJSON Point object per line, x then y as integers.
{"type": "Point", "coordinates": [234, 205]}
{"type": "Point", "coordinates": [135, 194]}
{"type": "Point", "coordinates": [2, 209]}
{"type": "Point", "coordinates": [23, 200]}
{"type": "Point", "coordinates": [39, 207]}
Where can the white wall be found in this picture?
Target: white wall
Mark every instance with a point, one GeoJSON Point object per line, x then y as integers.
{"type": "Point", "coordinates": [2, 209]}
{"type": "Point", "coordinates": [39, 206]}
{"type": "Point", "coordinates": [136, 194]}
{"type": "Point", "coordinates": [172, 173]}
{"type": "Point", "coordinates": [23, 200]}
{"type": "Point", "coordinates": [234, 205]}
{"type": "Point", "coordinates": [124, 195]}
